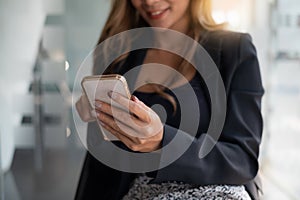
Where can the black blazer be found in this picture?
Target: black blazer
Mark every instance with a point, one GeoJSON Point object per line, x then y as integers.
{"type": "Point", "coordinates": [234, 159]}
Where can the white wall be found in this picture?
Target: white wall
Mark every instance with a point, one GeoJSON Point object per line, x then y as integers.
{"type": "Point", "coordinates": [21, 26]}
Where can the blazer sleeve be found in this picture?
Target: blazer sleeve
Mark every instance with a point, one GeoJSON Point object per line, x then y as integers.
{"type": "Point", "coordinates": [234, 158]}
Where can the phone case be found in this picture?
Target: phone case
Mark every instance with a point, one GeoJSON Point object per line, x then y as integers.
{"type": "Point", "coordinates": [97, 87]}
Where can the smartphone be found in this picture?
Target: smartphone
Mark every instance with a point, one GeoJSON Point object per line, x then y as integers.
{"type": "Point", "coordinates": [98, 87]}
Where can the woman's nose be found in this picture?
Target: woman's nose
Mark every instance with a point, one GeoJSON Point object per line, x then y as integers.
{"type": "Point", "coordinates": [150, 2]}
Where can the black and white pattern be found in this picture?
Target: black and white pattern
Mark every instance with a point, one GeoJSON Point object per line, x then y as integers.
{"type": "Point", "coordinates": [141, 190]}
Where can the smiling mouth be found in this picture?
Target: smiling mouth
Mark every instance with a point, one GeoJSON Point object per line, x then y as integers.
{"type": "Point", "coordinates": [157, 14]}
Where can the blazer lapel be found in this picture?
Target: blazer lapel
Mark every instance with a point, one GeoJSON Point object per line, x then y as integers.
{"type": "Point", "coordinates": [213, 45]}
{"type": "Point", "coordinates": [210, 42]}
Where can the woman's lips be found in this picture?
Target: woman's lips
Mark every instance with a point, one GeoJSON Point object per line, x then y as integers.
{"type": "Point", "coordinates": [157, 14]}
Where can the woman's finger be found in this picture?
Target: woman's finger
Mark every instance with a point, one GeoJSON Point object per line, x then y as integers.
{"type": "Point", "coordinates": [127, 141]}
{"type": "Point", "coordinates": [120, 114]}
{"type": "Point", "coordinates": [86, 113]}
{"type": "Point", "coordinates": [118, 126]}
{"type": "Point", "coordinates": [135, 144]}
{"type": "Point", "coordinates": [136, 108]}
{"type": "Point", "coordinates": [122, 122]}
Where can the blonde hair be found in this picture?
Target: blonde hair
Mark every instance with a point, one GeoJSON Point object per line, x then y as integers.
{"type": "Point", "coordinates": [123, 16]}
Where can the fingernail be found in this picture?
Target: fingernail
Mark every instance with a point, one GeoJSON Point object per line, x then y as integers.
{"type": "Point", "coordinates": [98, 104]}
{"type": "Point", "coordinates": [93, 113]}
{"type": "Point", "coordinates": [101, 123]}
{"type": "Point", "coordinates": [112, 94]}
{"type": "Point", "coordinates": [109, 94]}
{"type": "Point", "coordinates": [135, 98]}
{"type": "Point", "coordinates": [98, 114]}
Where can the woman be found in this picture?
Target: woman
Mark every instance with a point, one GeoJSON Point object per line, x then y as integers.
{"type": "Point", "coordinates": [229, 170]}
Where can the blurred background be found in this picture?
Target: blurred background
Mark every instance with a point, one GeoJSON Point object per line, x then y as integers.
{"type": "Point", "coordinates": [42, 44]}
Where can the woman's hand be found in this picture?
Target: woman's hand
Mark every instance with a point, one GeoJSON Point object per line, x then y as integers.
{"type": "Point", "coordinates": [134, 123]}
{"type": "Point", "coordinates": [84, 109]}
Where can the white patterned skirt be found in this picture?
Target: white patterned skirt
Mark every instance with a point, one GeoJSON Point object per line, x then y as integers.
{"type": "Point", "coordinates": [141, 190]}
